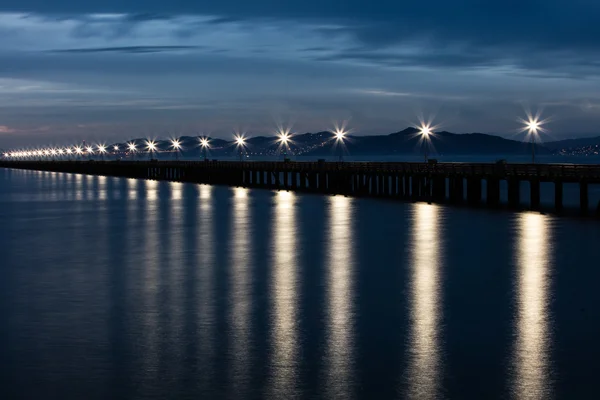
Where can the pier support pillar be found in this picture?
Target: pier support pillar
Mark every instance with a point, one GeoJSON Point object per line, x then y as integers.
{"type": "Point", "coordinates": [535, 194]}
{"type": "Point", "coordinates": [439, 189]}
{"type": "Point", "coordinates": [322, 182]}
{"type": "Point", "coordinates": [457, 189]}
{"type": "Point", "coordinates": [493, 192]}
{"type": "Point", "coordinates": [558, 196]}
{"type": "Point", "coordinates": [474, 191]}
{"type": "Point", "coordinates": [415, 189]}
{"type": "Point", "coordinates": [514, 193]}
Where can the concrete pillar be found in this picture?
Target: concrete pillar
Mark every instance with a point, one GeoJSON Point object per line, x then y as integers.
{"type": "Point", "coordinates": [286, 182]}
{"type": "Point", "coordinates": [256, 180]}
{"type": "Point", "coordinates": [415, 183]}
{"type": "Point", "coordinates": [457, 189]}
{"type": "Point", "coordinates": [474, 191]}
{"type": "Point", "coordinates": [558, 196]}
{"type": "Point", "coordinates": [514, 193]}
{"type": "Point", "coordinates": [322, 181]}
{"type": "Point", "coordinates": [534, 185]}
{"type": "Point", "coordinates": [312, 181]}
{"type": "Point", "coordinates": [584, 203]}
{"type": "Point", "coordinates": [439, 188]}
{"type": "Point", "coordinates": [493, 191]}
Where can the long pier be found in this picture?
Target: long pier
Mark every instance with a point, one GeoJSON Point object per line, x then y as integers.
{"type": "Point", "coordinates": [453, 183]}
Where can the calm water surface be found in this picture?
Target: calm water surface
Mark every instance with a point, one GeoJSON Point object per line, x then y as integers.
{"type": "Point", "coordinates": [114, 288]}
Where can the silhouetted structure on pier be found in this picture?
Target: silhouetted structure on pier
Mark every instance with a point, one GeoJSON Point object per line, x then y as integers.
{"type": "Point", "coordinates": [455, 183]}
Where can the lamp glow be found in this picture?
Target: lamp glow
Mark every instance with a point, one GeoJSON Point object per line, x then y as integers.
{"type": "Point", "coordinates": [131, 146]}
{"type": "Point", "coordinates": [150, 145]}
{"type": "Point", "coordinates": [176, 144]}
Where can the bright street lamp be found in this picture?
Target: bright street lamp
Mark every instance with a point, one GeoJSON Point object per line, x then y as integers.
{"type": "Point", "coordinates": [340, 135]}
{"type": "Point", "coordinates": [240, 143]}
{"type": "Point", "coordinates": [425, 131]}
{"type": "Point", "coordinates": [204, 143]}
{"type": "Point", "coordinates": [176, 145]}
{"type": "Point", "coordinates": [151, 147]}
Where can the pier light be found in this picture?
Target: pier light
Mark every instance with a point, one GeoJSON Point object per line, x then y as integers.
{"type": "Point", "coordinates": [61, 152]}
{"type": "Point", "coordinates": [151, 147]}
{"type": "Point", "coordinates": [240, 143]}
{"type": "Point", "coordinates": [116, 148]}
{"type": "Point", "coordinates": [176, 145]}
{"type": "Point", "coordinates": [46, 152]}
{"type": "Point", "coordinates": [102, 150]}
{"type": "Point", "coordinates": [204, 144]}
{"type": "Point", "coordinates": [131, 147]}
{"type": "Point", "coordinates": [532, 126]}
{"type": "Point", "coordinates": [425, 130]}
{"type": "Point", "coordinates": [284, 138]}
{"type": "Point", "coordinates": [53, 152]}
{"type": "Point", "coordinates": [78, 150]}
{"type": "Point", "coordinates": [239, 140]}
{"type": "Point", "coordinates": [89, 150]}
{"type": "Point", "coordinates": [340, 135]}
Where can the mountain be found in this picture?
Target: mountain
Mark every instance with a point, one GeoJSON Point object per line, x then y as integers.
{"type": "Point", "coordinates": [406, 141]}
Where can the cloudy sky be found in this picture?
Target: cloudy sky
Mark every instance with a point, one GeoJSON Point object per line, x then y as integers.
{"type": "Point", "coordinates": [116, 69]}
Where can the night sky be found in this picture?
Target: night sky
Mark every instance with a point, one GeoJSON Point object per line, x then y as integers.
{"type": "Point", "coordinates": [118, 69]}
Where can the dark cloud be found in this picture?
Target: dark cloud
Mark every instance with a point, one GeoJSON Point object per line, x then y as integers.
{"type": "Point", "coordinates": [506, 29]}
{"type": "Point", "coordinates": [127, 49]}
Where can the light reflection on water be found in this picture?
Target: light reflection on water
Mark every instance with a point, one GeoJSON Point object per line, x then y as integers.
{"type": "Point", "coordinates": [284, 292]}
{"type": "Point", "coordinates": [532, 345]}
{"type": "Point", "coordinates": [424, 352]}
{"type": "Point", "coordinates": [265, 310]}
{"type": "Point", "coordinates": [339, 289]}
{"type": "Point", "coordinates": [240, 281]}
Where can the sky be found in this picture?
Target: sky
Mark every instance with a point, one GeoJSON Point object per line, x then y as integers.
{"type": "Point", "coordinates": [119, 69]}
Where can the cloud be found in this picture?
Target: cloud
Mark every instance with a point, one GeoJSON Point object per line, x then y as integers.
{"type": "Point", "coordinates": [128, 49]}
{"type": "Point", "coordinates": [6, 129]}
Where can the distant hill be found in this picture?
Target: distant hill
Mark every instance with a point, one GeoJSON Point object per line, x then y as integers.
{"type": "Point", "coordinates": [407, 142]}
{"type": "Point", "coordinates": [322, 143]}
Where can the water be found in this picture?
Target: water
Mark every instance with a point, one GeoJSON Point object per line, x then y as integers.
{"type": "Point", "coordinates": [114, 288]}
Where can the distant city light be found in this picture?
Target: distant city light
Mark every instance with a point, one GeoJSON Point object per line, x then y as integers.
{"type": "Point", "coordinates": [116, 148]}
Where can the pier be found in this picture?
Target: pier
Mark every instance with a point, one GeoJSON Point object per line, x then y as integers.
{"type": "Point", "coordinates": [466, 184]}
